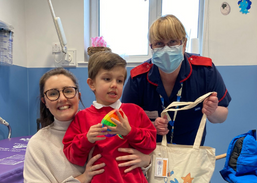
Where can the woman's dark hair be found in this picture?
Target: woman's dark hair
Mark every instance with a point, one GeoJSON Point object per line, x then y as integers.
{"type": "Point", "coordinates": [46, 117]}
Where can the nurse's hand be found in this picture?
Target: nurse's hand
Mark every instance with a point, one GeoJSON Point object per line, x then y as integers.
{"type": "Point", "coordinates": [210, 104]}
{"type": "Point", "coordinates": [214, 113]}
{"type": "Point", "coordinates": [161, 125]}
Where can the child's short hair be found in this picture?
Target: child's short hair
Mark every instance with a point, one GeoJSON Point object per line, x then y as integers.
{"type": "Point", "coordinates": [104, 60]}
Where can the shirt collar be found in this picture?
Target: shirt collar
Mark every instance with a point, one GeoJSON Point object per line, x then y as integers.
{"type": "Point", "coordinates": [115, 105]}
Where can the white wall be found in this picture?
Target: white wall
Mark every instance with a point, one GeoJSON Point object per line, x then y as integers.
{"type": "Point", "coordinates": [34, 30]}
{"type": "Point", "coordinates": [230, 39]}
{"type": "Point", "coordinates": [41, 33]}
{"type": "Point", "coordinates": [12, 12]}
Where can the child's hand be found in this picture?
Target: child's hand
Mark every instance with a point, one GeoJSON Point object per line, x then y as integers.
{"type": "Point", "coordinates": [123, 127]}
{"type": "Point", "coordinates": [95, 131]}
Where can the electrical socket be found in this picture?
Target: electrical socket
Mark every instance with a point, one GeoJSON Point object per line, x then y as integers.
{"type": "Point", "coordinates": [70, 59]}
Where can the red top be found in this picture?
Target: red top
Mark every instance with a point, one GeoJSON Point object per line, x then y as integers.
{"type": "Point", "coordinates": [198, 60]}
{"type": "Point", "coordinates": [141, 137]}
{"type": "Point", "coordinates": [194, 60]}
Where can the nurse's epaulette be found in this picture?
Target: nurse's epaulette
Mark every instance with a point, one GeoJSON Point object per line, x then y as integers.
{"type": "Point", "coordinates": [141, 69]}
{"type": "Point", "coordinates": [198, 60]}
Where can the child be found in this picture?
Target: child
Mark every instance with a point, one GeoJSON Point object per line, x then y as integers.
{"type": "Point", "coordinates": [106, 77]}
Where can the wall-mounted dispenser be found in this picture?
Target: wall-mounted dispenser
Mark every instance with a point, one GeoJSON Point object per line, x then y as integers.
{"type": "Point", "coordinates": [6, 44]}
{"type": "Point", "coordinates": [67, 57]}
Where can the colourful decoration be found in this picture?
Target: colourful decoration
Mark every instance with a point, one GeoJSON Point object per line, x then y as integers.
{"type": "Point", "coordinates": [170, 173]}
{"type": "Point", "coordinates": [187, 179]}
{"type": "Point", "coordinates": [245, 5]}
{"type": "Point", "coordinates": [175, 181]}
{"type": "Point", "coordinates": [98, 42]}
{"type": "Point", "coordinates": [225, 8]}
{"type": "Point", "coordinates": [106, 121]}
{"type": "Point", "coordinates": [171, 181]}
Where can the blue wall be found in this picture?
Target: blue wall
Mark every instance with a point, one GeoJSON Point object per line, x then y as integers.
{"type": "Point", "coordinates": [19, 103]}
{"type": "Point", "coordinates": [241, 82]}
{"type": "Point", "coordinates": [14, 100]}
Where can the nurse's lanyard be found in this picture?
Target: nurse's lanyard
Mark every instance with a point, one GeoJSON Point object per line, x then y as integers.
{"type": "Point", "coordinates": [172, 122]}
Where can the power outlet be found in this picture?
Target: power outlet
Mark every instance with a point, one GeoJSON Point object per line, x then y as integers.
{"type": "Point", "coordinates": [70, 59]}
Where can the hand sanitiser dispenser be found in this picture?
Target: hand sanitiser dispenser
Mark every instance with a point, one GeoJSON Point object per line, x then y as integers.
{"type": "Point", "coordinates": [6, 44]}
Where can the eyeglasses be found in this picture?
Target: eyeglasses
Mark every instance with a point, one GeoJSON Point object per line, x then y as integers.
{"type": "Point", "coordinates": [160, 44]}
{"type": "Point", "coordinates": [54, 94]}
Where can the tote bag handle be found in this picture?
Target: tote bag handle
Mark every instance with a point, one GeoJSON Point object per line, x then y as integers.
{"type": "Point", "coordinates": [187, 105]}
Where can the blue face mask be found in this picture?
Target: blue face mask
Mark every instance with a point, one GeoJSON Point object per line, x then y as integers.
{"type": "Point", "coordinates": [168, 58]}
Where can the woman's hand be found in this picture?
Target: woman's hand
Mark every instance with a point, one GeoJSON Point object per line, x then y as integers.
{"type": "Point", "coordinates": [210, 104]}
{"type": "Point", "coordinates": [91, 170]}
{"type": "Point", "coordinates": [161, 125]}
{"type": "Point", "coordinates": [134, 160]}
{"type": "Point", "coordinates": [214, 113]}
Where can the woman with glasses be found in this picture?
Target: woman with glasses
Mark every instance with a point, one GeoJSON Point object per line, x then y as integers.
{"type": "Point", "coordinates": [174, 75]}
{"type": "Point", "coordinates": [44, 159]}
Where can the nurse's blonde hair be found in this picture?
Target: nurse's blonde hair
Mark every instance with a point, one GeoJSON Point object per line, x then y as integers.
{"type": "Point", "coordinates": [166, 28]}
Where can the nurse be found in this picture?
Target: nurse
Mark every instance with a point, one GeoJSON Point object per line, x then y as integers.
{"type": "Point", "coordinates": [174, 75]}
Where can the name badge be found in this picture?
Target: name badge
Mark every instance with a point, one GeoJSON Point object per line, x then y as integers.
{"type": "Point", "coordinates": [161, 167]}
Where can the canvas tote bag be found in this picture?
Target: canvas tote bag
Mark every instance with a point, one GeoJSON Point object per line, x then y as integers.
{"type": "Point", "coordinates": [173, 163]}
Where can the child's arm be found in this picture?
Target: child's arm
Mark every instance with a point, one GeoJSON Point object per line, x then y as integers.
{"type": "Point", "coordinates": [76, 143]}
{"type": "Point", "coordinates": [140, 132]}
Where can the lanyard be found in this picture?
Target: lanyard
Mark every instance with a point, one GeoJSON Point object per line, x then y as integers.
{"type": "Point", "coordinates": [172, 122]}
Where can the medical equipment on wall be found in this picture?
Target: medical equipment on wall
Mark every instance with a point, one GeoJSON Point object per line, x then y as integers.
{"type": "Point", "coordinates": [2, 121]}
{"type": "Point", "coordinates": [6, 44]}
{"type": "Point", "coordinates": [68, 56]}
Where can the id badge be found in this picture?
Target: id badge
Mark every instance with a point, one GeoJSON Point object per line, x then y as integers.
{"type": "Point", "coordinates": [161, 167]}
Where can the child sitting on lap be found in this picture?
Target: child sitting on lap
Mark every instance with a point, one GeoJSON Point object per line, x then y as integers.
{"type": "Point", "coordinates": [106, 76]}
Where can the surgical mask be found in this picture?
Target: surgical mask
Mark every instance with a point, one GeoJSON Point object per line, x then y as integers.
{"type": "Point", "coordinates": [168, 58]}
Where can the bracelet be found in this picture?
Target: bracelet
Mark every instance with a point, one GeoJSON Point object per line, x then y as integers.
{"type": "Point", "coordinates": [145, 169]}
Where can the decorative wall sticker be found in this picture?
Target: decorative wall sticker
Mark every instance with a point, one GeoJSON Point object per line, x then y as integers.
{"type": "Point", "coordinates": [245, 5]}
{"type": "Point", "coordinates": [225, 8]}
{"type": "Point", "coordinates": [171, 181]}
{"type": "Point", "coordinates": [187, 179]}
{"type": "Point", "coordinates": [175, 181]}
{"type": "Point", "coordinates": [170, 173]}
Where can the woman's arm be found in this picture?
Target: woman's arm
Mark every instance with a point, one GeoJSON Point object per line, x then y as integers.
{"type": "Point", "coordinates": [214, 113]}
{"type": "Point", "coordinates": [38, 164]}
{"type": "Point", "coordinates": [37, 170]}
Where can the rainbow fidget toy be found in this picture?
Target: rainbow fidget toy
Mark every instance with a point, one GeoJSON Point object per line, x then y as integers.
{"type": "Point", "coordinates": [106, 121]}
